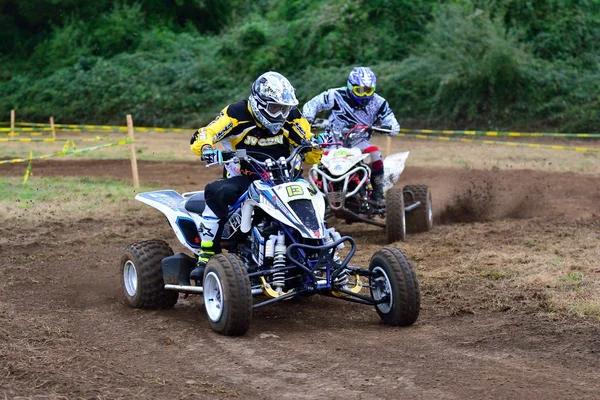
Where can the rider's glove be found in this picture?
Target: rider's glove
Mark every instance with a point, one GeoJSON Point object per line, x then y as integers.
{"type": "Point", "coordinates": [212, 156]}
{"type": "Point", "coordinates": [389, 128]}
{"type": "Point", "coordinates": [322, 138]}
{"type": "Point", "coordinates": [310, 144]}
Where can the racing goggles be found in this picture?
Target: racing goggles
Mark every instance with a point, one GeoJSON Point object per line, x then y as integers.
{"type": "Point", "coordinates": [275, 110]}
{"type": "Point", "coordinates": [362, 91]}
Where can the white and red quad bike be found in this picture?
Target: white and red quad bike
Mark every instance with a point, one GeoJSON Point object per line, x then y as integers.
{"type": "Point", "coordinates": [343, 178]}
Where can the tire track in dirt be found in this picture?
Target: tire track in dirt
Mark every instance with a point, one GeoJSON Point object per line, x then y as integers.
{"type": "Point", "coordinates": [60, 292]}
{"type": "Point", "coordinates": [459, 195]}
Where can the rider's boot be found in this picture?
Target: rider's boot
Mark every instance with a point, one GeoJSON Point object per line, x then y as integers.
{"type": "Point", "coordinates": [377, 194]}
{"type": "Point", "coordinates": [209, 228]}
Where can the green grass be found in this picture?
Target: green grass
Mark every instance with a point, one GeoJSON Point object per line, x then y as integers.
{"type": "Point", "coordinates": [585, 309]}
{"type": "Point", "coordinates": [64, 195]}
{"type": "Point", "coordinates": [575, 276]}
{"type": "Point", "coordinates": [121, 152]}
{"type": "Point", "coordinates": [497, 275]}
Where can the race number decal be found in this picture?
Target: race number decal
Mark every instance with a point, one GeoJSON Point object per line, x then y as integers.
{"type": "Point", "coordinates": [295, 190]}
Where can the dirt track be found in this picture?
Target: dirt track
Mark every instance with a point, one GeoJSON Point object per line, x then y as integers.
{"type": "Point", "coordinates": [65, 331]}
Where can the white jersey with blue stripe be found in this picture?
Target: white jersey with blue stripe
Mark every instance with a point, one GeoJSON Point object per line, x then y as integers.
{"type": "Point", "coordinates": [344, 113]}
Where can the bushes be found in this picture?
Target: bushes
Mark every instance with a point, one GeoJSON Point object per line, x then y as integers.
{"type": "Point", "coordinates": [473, 72]}
{"type": "Point", "coordinates": [181, 86]}
{"type": "Point", "coordinates": [460, 63]}
{"type": "Point", "coordinates": [471, 67]}
{"type": "Point", "coordinates": [558, 29]}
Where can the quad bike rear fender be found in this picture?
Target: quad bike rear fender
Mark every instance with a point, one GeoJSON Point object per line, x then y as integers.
{"type": "Point", "coordinates": [172, 205]}
{"type": "Point", "coordinates": [393, 166]}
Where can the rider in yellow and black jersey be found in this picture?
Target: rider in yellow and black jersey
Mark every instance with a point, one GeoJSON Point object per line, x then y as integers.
{"type": "Point", "coordinates": [268, 122]}
{"type": "Point", "coordinates": [236, 128]}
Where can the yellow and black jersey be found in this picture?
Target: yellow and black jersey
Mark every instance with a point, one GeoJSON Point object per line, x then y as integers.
{"type": "Point", "coordinates": [236, 128]}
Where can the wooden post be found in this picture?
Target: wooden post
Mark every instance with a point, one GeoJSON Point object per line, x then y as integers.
{"type": "Point", "coordinates": [52, 128]}
{"type": "Point", "coordinates": [134, 168]}
{"type": "Point", "coordinates": [12, 121]}
{"type": "Point", "coordinates": [388, 146]}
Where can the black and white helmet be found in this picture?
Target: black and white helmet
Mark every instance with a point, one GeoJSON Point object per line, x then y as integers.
{"type": "Point", "coordinates": [271, 100]}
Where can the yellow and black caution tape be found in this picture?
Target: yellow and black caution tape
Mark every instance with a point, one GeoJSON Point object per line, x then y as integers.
{"type": "Point", "coordinates": [107, 128]}
{"type": "Point", "coordinates": [12, 134]}
{"type": "Point", "coordinates": [33, 126]}
{"type": "Point", "coordinates": [67, 152]}
{"type": "Point", "coordinates": [68, 143]}
{"type": "Point", "coordinates": [31, 140]}
{"type": "Point", "coordinates": [51, 140]}
{"type": "Point", "coordinates": [25, 129]}
{"type": "Point", "coordinates": [511, 144]}
{"type": "Point", "coordinates": [496, 133]}
{"type": "Point", "coordinates": [28, 169]}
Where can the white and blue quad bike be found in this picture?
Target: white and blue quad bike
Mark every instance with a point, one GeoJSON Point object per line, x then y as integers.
{"type": "Point", "coordinates": [278, 247]}
{"type": "Point", "coordinates": [343, 177]}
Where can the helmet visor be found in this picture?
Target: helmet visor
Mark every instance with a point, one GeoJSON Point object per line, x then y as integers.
{"type": "Point", "coordinates": [363, 91]}
{"type": "Point", "coordinates": [276, 110]}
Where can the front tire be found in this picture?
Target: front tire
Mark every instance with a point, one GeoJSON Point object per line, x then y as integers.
{"type": "Point", "coordinates": [142, 278]}
{"type": "Point", "coordinates": [395, 219]}
{"type": "Point", "coordinates": [395, 279]}
{"type": "Point", "coordinates": [227, 295]}
{"type": "Point", "coordinates": [420, 219]}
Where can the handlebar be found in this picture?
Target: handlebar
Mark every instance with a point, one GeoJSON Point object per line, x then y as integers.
{"type": "Point", "coordinates": [235, 156]}
{"type": "Point", "coordinates": [382, 130]}
{"type": "Point", "coordinates": [320, 123]}
{"type": "Point", "coordinates": [323, 123]}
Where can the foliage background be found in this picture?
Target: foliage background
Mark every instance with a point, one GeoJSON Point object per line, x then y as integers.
{"type": "Point", "coordinates": [505, 64]}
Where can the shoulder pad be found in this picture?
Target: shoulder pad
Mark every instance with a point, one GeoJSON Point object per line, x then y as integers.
{"type": "Point", "coordinates": [239, 111]}
{"type": "Point", "coordinates": [294, 114]}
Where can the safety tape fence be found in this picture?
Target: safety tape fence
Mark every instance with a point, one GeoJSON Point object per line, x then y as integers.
{"type": "Point", "coordinates": [511, 144]}
{"type": "Point", "coordinates": [51, 140]}
{"type": "Point", "coordinates": [33, 126]}
{"type": "Point", "coordinates": [25, 129]}
{"type": "Point", "coordinates": [28, 123]}
{"type": "Point", "coordinates": [496, 133]}
{"type": "Point", "coordinates": [14, 134]}
{"type": "Point", "coordinates": [67, 152]}
{"type": "Point", "coordinates": [28, 169]}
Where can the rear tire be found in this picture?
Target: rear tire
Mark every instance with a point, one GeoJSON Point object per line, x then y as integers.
{"type": "Point", "coordinates": [396, 277]}
{"type": "Point", "coordinates": [142, 278]}
{"type": "Point", "coordinates": [227, 295]}
{"type": "Point", "coordinates": [395, 220]}
{"type": "Point", "coordinates": [421, 218]}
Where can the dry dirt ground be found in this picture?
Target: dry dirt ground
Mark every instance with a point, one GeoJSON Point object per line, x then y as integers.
{"type": "Point", "coordinates": [66, 333]}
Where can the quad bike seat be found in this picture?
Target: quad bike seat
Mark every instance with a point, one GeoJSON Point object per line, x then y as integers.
{"type": "Point", "coordinates": [196, 203]}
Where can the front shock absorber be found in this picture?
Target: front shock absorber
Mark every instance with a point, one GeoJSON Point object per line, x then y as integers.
{"type": "Point", "coordinates": [279, 261]}
{"type": "Point", "coordinates": [331, 236]}
{"type": "Point", "coordinates": [278, 280]}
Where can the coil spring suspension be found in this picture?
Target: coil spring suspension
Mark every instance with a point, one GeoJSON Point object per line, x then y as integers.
{"type": "Point", "coordinates": [278, 280]}
{"type": "Point", "coordinates": [342, 278]}
{"type": "Point", "coordinates": [279, 261]}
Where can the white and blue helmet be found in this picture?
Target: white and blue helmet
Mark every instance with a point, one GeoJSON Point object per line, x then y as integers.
{"type": "Point", "coordinates": [271, 100]}
{"type": "Point", "coordinates": [361, 85]}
